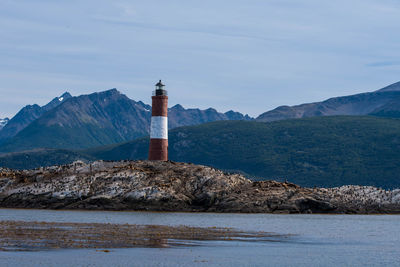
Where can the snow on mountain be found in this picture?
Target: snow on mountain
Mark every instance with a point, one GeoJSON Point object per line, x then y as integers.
{"type": "Point", "coordinates": [3, 122]}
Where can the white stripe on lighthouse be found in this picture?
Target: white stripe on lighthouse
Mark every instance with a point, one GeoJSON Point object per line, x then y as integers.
{"type": "Point", "coordinates": [159, 127]}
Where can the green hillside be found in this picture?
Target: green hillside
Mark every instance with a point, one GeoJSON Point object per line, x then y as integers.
{"type": "Point", "coordinates": [320, 151]}
{"type": "Point", "coordinates": [40, 157]}
{"type": "Point", "coordinates": [55, 136]}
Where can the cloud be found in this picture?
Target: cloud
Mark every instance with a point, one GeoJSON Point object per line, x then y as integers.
{"type": "Point", "coordinates": [384, 63]}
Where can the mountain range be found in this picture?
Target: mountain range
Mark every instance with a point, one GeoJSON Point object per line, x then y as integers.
{"type": "Point", "coordinates": [383, 102]}
{"type": "Point", "coordinates": [92, 120]}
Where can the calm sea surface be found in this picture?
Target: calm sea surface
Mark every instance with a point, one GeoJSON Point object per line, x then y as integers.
{"type": "Point", "coordinates": [317, 240]}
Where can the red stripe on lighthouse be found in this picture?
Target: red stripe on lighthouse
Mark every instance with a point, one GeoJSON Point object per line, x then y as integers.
{"type": "Point", "coordinates": [159, 106]}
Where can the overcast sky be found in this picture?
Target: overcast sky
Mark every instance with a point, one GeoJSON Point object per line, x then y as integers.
{"type": "Point", "coordinates": [249, 55]}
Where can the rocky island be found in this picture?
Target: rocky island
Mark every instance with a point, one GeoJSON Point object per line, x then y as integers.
{"type": "Point", "coordinates": [172, 186]}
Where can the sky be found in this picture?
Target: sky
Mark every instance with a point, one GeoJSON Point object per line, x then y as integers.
{"type": "Point", "coordinates": [249, 56]}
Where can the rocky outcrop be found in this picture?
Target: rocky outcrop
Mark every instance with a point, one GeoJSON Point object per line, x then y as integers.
{"type": "Point", "coordinates": [170, 186]}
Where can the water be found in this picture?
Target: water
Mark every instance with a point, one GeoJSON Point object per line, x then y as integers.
{"type": "Point", "coordinates": [317, 240]}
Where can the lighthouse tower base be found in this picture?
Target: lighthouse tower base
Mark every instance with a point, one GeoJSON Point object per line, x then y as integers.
{"type": "Point", "coordinates": [158, 149]}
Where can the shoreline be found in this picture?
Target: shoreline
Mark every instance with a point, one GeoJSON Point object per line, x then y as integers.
{"type": "Point", "coordinates": [206, 212]}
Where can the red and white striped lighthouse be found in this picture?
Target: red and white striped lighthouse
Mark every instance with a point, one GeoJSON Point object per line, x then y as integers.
{"type": "Point", "coordinates": [159, 124]}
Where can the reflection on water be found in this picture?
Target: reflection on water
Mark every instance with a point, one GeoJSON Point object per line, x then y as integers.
{"type": "Point", "coordinates": [324, 240]}
{"type": "Point", "coordinates": [25, 236]}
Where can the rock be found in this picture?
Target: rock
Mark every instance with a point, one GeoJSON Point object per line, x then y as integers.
{"type": "Point", "coordinates": [173, 186]}
{"type": "Point", "coordinates": [308, 205]}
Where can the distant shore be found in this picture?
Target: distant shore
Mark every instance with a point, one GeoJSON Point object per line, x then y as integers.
{"type": "Point", "coordinates": [179, 187]}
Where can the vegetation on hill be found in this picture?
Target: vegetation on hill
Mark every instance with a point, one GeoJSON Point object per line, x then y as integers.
{"type": "Point", "coordinates": [40, 157]}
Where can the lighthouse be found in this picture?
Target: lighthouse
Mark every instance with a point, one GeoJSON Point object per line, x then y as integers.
{"type": "Point", "coordinates": [159, 124]}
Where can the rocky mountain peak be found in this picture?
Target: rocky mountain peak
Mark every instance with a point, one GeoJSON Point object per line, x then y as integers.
{"type": "Point", "coordinates": [64, 96]}
{"type": "Point", "coordinates": [392, 87]}
{"type": "Point", "coordinates": [27, 115]}
{"type": "Point", "coordinates": [110, 92]}
{"type": "Point", "coordinates": [178, 107]}
{"type": "Point", "coordinates": [233, 115]}
{"type": "Point", "coordinates": [358, 104]}
{"type": "Point", "coordinates": [56, 101]}
{"type": "Point", "coordinates": [143, 106]}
